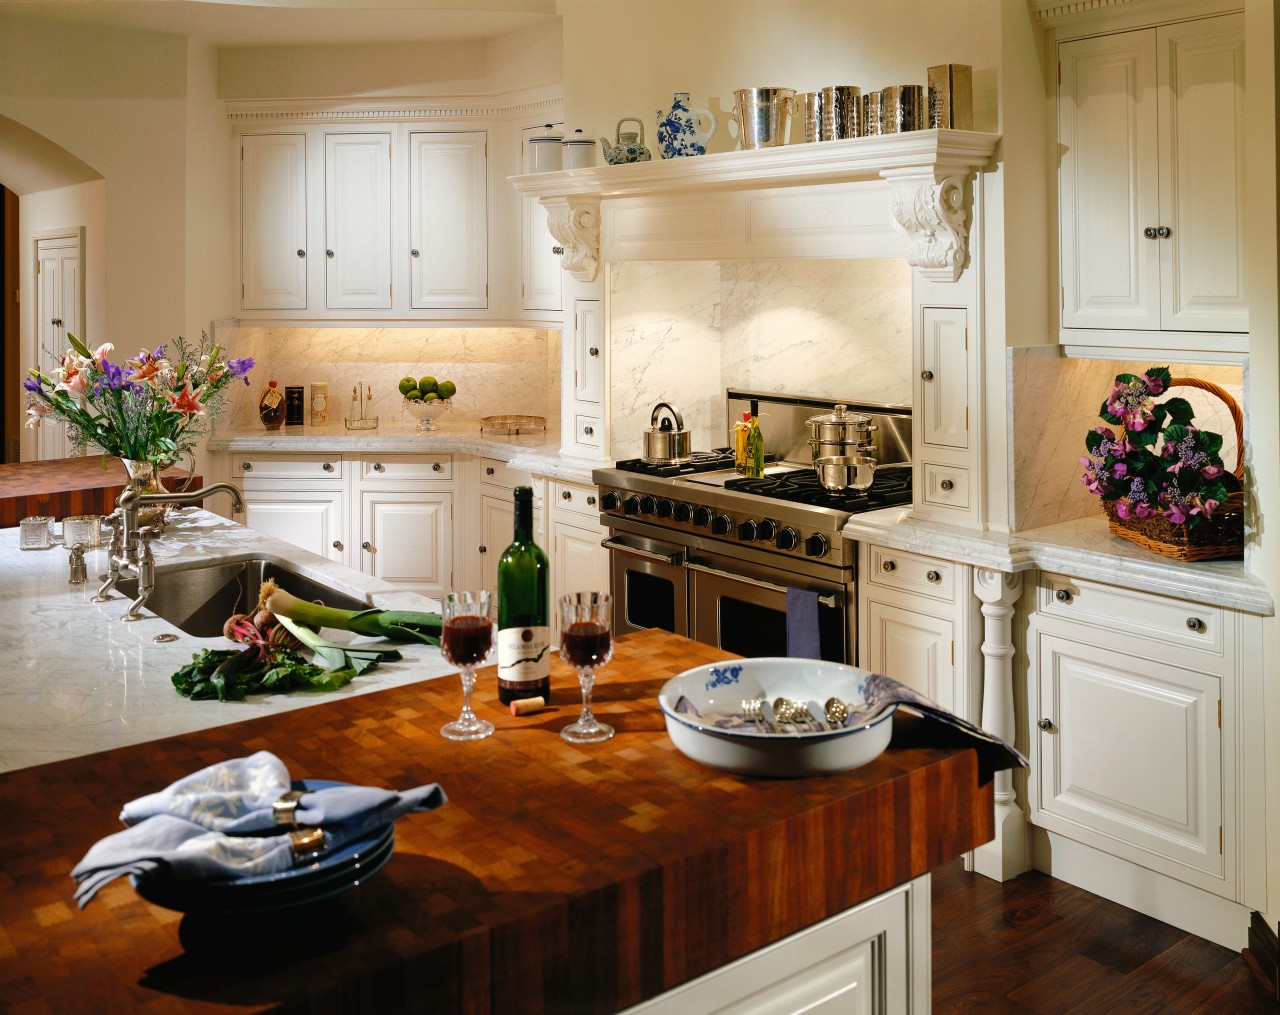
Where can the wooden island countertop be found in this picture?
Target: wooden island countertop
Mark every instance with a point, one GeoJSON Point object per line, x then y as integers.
{"type": "Point", "coordinates": [70, 486]}
{"type": "Point", "coordinates": [557, 878]}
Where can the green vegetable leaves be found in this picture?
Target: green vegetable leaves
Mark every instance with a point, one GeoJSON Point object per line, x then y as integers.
{"type": "Point", "coordinates": [232, 674]}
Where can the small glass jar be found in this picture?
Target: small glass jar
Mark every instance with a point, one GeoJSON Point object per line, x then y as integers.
{"type": "Point", "coordinates": [83, 529]}
{"type": "Point", "coordinates": [36, 532]}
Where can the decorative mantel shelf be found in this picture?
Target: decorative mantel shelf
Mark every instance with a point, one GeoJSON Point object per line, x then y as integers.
{"type": "Point", "coordinates": [929, 171]}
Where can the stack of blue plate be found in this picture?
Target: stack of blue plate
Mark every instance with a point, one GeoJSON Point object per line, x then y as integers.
{"type": "Point", "coordinates": [332, 874]}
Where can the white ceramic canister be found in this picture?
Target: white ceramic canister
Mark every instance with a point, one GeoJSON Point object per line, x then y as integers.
{"type": "Point", "coordinates": [545, 152]}
{"type": "Point", "coordinates": [579, 151]}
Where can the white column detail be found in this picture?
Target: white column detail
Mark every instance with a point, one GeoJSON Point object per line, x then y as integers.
{"type": "Point", "coordinates": [1005, 856]}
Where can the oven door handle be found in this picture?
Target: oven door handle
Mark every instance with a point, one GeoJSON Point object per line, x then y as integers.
{"type": "Point", "coordinates": [824, 600]}
{"type": "Point", "coordinates": [676, 557]}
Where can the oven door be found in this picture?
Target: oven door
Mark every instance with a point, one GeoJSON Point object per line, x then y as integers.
{"type": "Point", "coordinates": [647, 579]}
{"type": "Point", "coordinates": [743, 609]}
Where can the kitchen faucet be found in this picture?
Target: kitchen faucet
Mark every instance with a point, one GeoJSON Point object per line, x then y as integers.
{"type": "Point", "coordinates": [130, 552]}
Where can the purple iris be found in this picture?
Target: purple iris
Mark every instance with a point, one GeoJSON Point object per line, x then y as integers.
{"type": "Point", "coordinates": [113, 377]}
{"type": "Point", "coordinates": [241, 367]}
{"type": "Point", "coordinates": [33, 385]}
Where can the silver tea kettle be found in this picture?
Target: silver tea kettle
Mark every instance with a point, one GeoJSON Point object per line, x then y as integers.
{"type": "Point", "coordinates": [666, 442]}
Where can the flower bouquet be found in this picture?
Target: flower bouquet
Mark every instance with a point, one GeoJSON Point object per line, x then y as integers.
{"type": "Point", "coordinates": [1160, 478]}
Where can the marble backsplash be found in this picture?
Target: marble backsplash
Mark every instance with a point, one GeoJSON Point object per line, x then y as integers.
{"type": "Point", "coordinates": [497, 370]}
{"type": "Point", "coordinates": [1055, 402]}
{"type": "Point", "coordinates": [684, 331]}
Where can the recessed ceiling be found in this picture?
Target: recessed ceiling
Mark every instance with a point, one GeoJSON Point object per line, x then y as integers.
{"type": "Point", "coordinates": [299, 23]}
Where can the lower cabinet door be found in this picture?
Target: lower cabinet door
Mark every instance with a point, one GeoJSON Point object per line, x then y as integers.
{"type": "Point", "coordinates": [311, 519]}
{"type": "Point", "coordinates": [914, 648]}
{"type": "Point", "coordinates": [406, 537]}
{"type": "Point", "coordinates": [1127, 758]}
{"type": "Point", "coordinates": [578, 563]}
{"type": "Point", "coordinates": [497, 526]}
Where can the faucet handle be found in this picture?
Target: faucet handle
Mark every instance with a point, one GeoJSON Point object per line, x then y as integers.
{"type": "Point", "coordinates": [79, 572]}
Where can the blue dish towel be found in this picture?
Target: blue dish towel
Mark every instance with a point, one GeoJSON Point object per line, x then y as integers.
{"type": "Point", "coordinates": [803, 641]}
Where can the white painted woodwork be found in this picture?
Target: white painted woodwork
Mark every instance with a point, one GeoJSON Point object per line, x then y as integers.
{"type": "Point", "coordinates": [448, 220]}
{"type": "Point", "coordinates": [943, 485]}
{"type": "Point", "coordinates": [497, 524]}
{"type": "Point", "coordinates": [912, 647]}
{"type": "Point", "coordinates": [407, 538]}
{"type": "Point", "coordinates": [578, 562]}
{"type": "Point", "coordinates": [295, 466]}
{"type": "Point", "coordinates": [588, 351]}
{"type": "Point", "coordinates": [874, 957]}
{"type": "Point", "coordinates": [541, 286]}
{"type": "Point", "coordinates": [313, 518]}
{"type": "Point", "coordinates": [60, 303]}
{"type": "Point", "coordinates": [273, 221]}
{"type": "Point", "coordinates": [1151, 135]}
{"type": "Point", "coordinates": [944, 380]}
{"type": "Point", "coordinates": [357, 221]}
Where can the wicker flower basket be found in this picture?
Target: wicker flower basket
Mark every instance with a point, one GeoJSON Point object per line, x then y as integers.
{"type": "Point", "coordinates": [1219, 537]}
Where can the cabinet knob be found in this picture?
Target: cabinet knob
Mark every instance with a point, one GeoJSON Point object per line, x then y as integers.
{"type": "Point", "coordinates": [591, 501]}
{"type": "Point", "coordinates": [302, 253]}
{"type": "Point", "coordinates": [377, 467]}
{"type": "Point", "coordinates": [246, 466]}
{"type": "Point", "coordinates": [437, 467]}
{"type": "Point", "coordinates": [488, 471]}
{"type": "Point", "coordinates": [933, 577]}
{"type": "Point", "coordinates": [337, 544]}
{"type": "Point", "coordinates": [328, 253]}
{"type": "Point", "coordinates": [327, 466]}
{"type": "Point", "coordinates": [926, 375]}
{"type": "Point", "coordinates": [366, 545]}
{"type": "Point", "coordinates": [1045, 724]}
{"type": "Point", "coordinates": [557, 250]}
{"type": "Point", "coordinates": [589, 431]}
{"type": "Point", "coordinates": [1149, 232]}
{"type": "Point", "coordinates": [1062, 596]}
{"type": "Point", "coordinates": [888, 566]}
{"type": "Point", "coordinates": [1195, 624]}
{"type": "Point", "coordinates": [566, 495]}
{"type": "Point", "coordinates": [414, 252]}
{"type": "Point", "coordinates": [1164, 232]}
{"type": "Point", "coordinates": [947, 484]}
{"type": "Point", "coordinates": [593, 351]}
{"type": "Point", "coordinates": [56, 322]}
{"type": "Point", "coordinates": [483, 548]}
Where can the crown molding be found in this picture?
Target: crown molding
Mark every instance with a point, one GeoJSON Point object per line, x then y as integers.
{"type": "Point", "coordinates": [399, 108]}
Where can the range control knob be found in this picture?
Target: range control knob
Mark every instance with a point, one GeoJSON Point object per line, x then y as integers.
{"type": "Point", "coordinates": [766, 530]}
{"type": "Point", "coordinates": [665, 506]}
{"type": "Point", "coordinates": [702, 515]}
{"type": "Point", "coordinates": [648, 504]}
{"type": "Point", "coordinates": [682, 512]}
{"type": "Point", "coordinates": [786, 539]}
{"type": "Point", "coordinates": [747, 531]}
{"type": "Point", "coordinates": [631, 505]}
{"type": "Point", "coordinates": [816, 545]}
{"type": "Point", "coordinates": [610, 501]}
{"type": "Point", "coordinates": [721, 525]}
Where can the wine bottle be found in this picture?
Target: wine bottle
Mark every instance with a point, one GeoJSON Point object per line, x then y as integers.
{"type": "Point", "coordinates": [524, 634]}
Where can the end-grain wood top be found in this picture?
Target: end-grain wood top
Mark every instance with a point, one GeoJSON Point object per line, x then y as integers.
{"type": "Point", "coordinates": [67, 486]}
{"type": "Point", "coordinates": [556, 878]}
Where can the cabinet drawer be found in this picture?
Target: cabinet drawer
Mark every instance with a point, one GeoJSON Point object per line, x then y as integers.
{"type": "Point", "coordinates": [911, 572]}
{"type": "Point", "coordinates": [1173, 622]}
{"type": "Point", "coordinates": [947, 485]}
{"type": "Point", "coordinates": [497, 473]}
{"type": "Point", "coordinates": [416, 467]}
{"type": "Point", "coordinates": [575, 499]}
{"type": "Point", "coordinates": [296, 467]}
{"type": "Point", "coordinates": [587, 430]}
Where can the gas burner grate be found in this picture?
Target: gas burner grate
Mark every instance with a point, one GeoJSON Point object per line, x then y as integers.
{"type": "Point", "coordinates": [892, 486]}
{"type": "Point", "coordinates": [701, 461]}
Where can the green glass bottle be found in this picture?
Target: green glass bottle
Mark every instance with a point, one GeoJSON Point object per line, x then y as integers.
{"type": "Point", "coordinates": [524, 633]}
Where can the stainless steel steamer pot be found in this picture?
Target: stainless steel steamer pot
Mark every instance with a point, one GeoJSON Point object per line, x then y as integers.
{"type": "Point", "coordinates": [841, 448]}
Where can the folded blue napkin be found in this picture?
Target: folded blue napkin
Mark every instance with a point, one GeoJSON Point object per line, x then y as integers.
{"type": "Point", "coordinates": [221, 822]}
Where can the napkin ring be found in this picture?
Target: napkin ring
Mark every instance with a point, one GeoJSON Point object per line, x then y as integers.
{"type": "Point", "coordinates": [307, 843]}
{"type": "Point", "coordinates": [284, 810]}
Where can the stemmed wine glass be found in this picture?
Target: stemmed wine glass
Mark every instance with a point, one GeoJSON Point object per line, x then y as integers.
{"type": "Point", "coordinates": [466, 641]}
{"type": "Point", "coordinates": [586, 642]}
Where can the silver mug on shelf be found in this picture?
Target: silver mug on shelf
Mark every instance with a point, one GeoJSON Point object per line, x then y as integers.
{"type": "Point", "coordinates": [763, 116]}
{"type": "Point", "coordinates": [903, 109]}
{"type": "Point", "coordinates": [872, 114]}
{"type": "Point", "coordinates": [841, 112]}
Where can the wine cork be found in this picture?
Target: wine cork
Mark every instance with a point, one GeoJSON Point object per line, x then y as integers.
{"type": "Point", "coordinates": [526, 706]}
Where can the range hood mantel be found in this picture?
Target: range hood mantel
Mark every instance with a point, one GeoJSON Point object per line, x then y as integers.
{"type": "Point", "coordinates": [930, 197]}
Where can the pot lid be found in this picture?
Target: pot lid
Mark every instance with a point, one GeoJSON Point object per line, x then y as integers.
{"type": "Point", "coordinates": [579, 138]}
{"type": "Point", "coordinates": [548, 134]}
{"type": "Point", "coordinates": [841, 415]}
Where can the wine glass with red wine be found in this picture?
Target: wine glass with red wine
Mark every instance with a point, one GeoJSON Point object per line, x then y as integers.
{"type": "Point", "coordinates": [466, 641]}
{"type": "Point", "coordinates": [586, 643]}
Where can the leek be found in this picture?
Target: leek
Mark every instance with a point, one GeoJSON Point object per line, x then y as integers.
{"type": "Point", "coordinates": [398, 625]}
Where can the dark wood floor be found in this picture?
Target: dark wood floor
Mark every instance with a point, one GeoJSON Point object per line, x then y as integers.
{"type": "Point", "coordinates": [1036, 944]}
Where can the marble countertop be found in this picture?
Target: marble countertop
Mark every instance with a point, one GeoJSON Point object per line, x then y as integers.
{"type": "Point", "coordinates": [536, 453]}
{"type": "Point", "coordinates": [1083, 548]}
{"type": "Point", "coordinates": [75, 679]}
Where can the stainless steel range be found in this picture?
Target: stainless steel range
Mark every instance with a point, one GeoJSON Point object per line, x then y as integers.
{"type": "Point", "coordinates": [701, 551]}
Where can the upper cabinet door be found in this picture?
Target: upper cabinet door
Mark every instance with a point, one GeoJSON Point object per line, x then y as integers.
{"type": "Point", "coordinates": [357, 185]}
{"type": "Point", "coordinates": [541, 285]}
{"type": "Point", "coordinates": [1107, 182]}
{"type": "Point", "coordinates": [448, 220]}
{"type": "Point", "coordinates": [273, 216]}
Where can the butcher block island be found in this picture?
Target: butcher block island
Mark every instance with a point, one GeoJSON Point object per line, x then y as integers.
{"type": "Point", "coordinates": [557, 878]}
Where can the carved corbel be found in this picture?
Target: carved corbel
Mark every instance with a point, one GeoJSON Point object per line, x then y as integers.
{"type": "Point", "coordinates": [935, 216]}
{"type": "Point", "coordinates": [575, 223]}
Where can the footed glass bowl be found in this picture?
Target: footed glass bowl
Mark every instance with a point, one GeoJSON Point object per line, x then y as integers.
{"type": "Point", "coordinates": [426, 413]}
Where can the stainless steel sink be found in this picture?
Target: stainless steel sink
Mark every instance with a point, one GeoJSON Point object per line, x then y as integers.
{"type": "Point", "coordinates": [198, 600]}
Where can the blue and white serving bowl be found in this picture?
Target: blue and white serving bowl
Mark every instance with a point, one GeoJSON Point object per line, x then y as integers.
{"type": "Point", "coordinates": [709, 710]}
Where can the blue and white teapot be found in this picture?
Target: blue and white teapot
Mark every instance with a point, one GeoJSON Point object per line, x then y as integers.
{"type": "Point", "coordinates": [630, 145]}
{"type": "Point", "coordinates": [680, 131]}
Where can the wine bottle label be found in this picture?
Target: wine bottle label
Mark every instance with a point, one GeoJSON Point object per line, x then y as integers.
{"type": "Point", "coordinates": [524, 654]}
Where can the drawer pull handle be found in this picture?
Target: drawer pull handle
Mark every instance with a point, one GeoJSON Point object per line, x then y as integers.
{"type": "Point", "coordinates": [414, 252]}
{"type": "Point", "coordinates": [377, 467]}
{"type": "Point", "coordinates": [328, 253]}
{"type": "Point", "coordinates": [591, 502]}
{"type": "Point", "coordinates": [1164, 232]}
{"type": "Point", "coordinates": [1149, 232]}
{"type": "Point", "coordinates": [302, 253]}
{"type": "Point", "coordinates": [926, 375]}
{"type": "Point", "coordinates": [566, 495]}
{"type": "Point", "coordinates": [337, 544]}
{"type": "Point", "coordinates": [1045, 724]}
{"type": "Point", "coordinates": [1195, 624]}
{"type": "Point", "coordinates": [246, 466]}
{"type": "Point", "coordinates": [1062, 596]}
{"type": "Point", "coordinates": [483, 548]}
{"type": "Point", "coordinates": [327, 466]}
{"type": "Point", "coordinates": [933, 577]}
{"type": "Point", "coordinates": [557, 250]}
{"type": "Point", "coordinates": [888, 566]}
{"type": "Point", "coordinates": [437, 467]}
{"type": "Point", "coordinates": [366, 545]}
{"type": "Point", "coordinates": [589, 431]}
{"type": "Point", "coordinates": [947, 484]}
{"type": "Point", "coordinates": [488, 470]}
{"type": "Point", "coordinates": [593, 351]}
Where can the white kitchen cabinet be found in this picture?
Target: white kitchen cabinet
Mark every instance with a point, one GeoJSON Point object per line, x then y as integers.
{"type": "Point", "coordinates": [1151, 186]}
{"type": "Point", "coordinates": [300, 499]}
{"type": "Point", "coordinates": [541, 286]}
{"type": "Point", "coordinates": [448, 220]}
{"type": "Point", "coordinates": [357, 221]}
{"type": "Point", "coordinates": [578, 562]}
{"type": "Point", "coordinates": [273, 221]}
{"type": "Point", "coordinates": [406, 538]}
{"type": "Point", "coordinates": [945, 390]}
{"type": "Point", "coordinates": [586, 352]}
{"type": "Point", "coordinates": [497, 514]}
